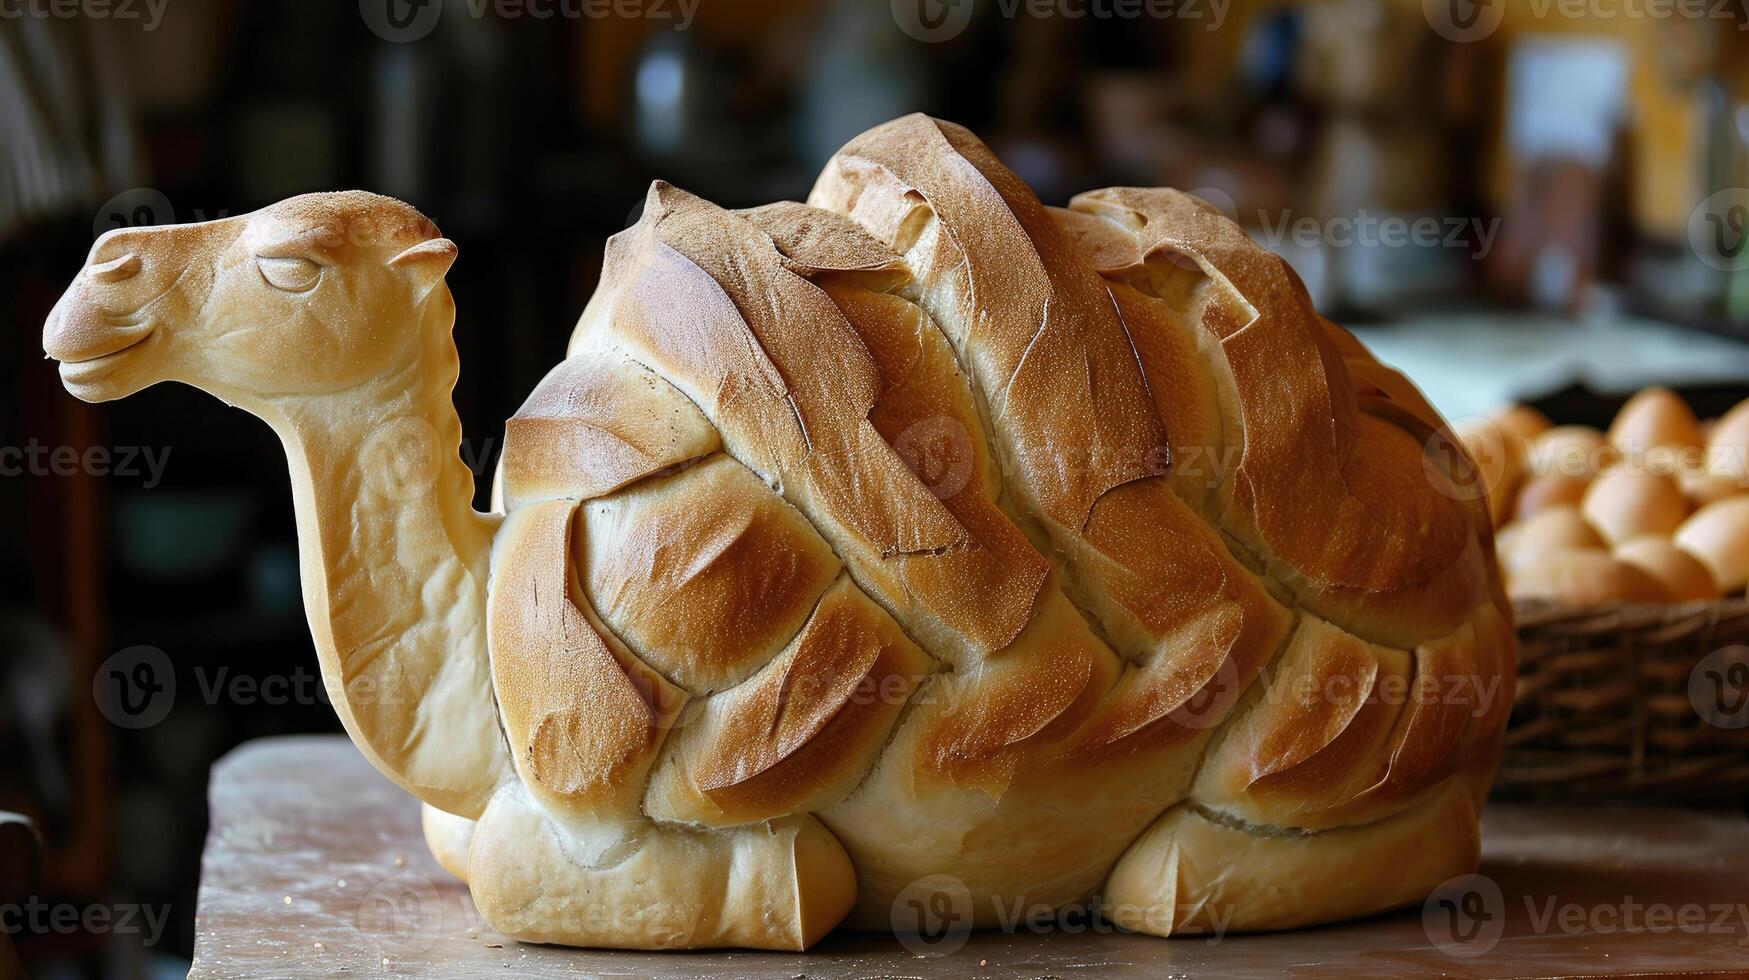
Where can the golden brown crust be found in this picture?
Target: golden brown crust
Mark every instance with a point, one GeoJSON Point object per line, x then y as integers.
{"type": "Point", "coordinates": [798, 736]}
{"type": "Point", "coordinates": [1186, 392]}
{"type": "Point", "coordinates": [1038, 331]}
{"type": "Point", "coordinates": [594, 424]}
{"type": "Point", "coordinates": [1347, 732]}
{"type": "Point", "coordinates": [1381, 389]}
{"type": "Point", "coordinates": [813, 241]}
{"type": "Point", "coordinates": [777, 368]}
{"type": "Point", "coordinates": [982, 595]}
{"type": "Point", "coordinates": [958, 402]}
{"type": "Point", "coordinates": [1172, 597]}
{"type": "Point", "coordinates": [979, 776]}
{"type": "Point", "coordinates": [1301, 753]}
{"type": "Point", "coordinates": [584, 717]}
{"type": "Point", "coordinates": [1340, 504]}
{"type": "Point", "coordinates": [1019, 704]}
{"type": "Point", "coordinates": [706, 574]}
{"type": "Point", "coordinates": [709, 301]}
{"type": "Point", "coordinates": [1457, 701]}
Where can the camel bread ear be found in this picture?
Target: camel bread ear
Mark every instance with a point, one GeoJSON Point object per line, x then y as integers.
{"type": "Point", "coordinates": [427, 262]}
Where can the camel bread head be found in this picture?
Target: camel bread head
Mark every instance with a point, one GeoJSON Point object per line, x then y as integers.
{"type": "Point", "coordinates": [309, 296]}
{"type": "Point", "coordinates": [327, 316]}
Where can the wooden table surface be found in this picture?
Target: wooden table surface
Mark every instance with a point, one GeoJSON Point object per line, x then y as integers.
{"type": "Point", "coordinates": [315, 866]}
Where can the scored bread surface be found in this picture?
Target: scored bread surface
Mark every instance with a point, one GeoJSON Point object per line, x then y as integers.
{"type": "Point", "coordinates": [1068, 552]}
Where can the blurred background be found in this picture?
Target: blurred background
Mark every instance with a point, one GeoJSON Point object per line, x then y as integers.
{"type": "Point", "coordinates": [1545, 201]}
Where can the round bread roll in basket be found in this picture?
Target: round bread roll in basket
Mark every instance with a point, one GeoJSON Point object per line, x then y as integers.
{"type": "Point", "coordinates": [918, 543]}
{"type": "Point", "coordinates": [1627, 559]}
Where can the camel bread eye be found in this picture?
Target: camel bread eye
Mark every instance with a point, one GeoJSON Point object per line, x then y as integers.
{"type": "Point", "coordinates": [293, 275]}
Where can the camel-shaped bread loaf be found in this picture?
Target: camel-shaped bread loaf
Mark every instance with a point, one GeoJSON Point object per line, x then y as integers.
{"type": "Point", "coordinates": [921, 539]}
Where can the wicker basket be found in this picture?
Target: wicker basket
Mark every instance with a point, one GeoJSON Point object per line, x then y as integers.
{"type": "Point", "coordinates": [1631, 702]}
